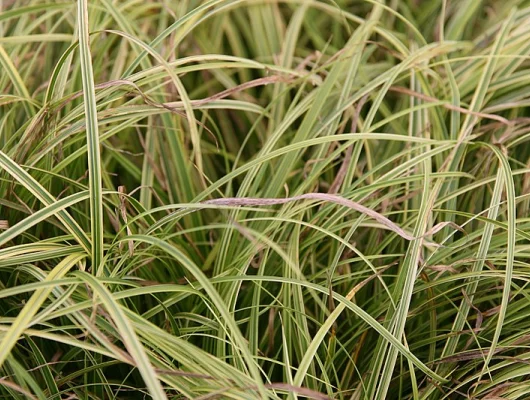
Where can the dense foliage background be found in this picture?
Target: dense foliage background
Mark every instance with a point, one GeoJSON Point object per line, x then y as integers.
{"type": "Point", "coordinates": [370, 161]}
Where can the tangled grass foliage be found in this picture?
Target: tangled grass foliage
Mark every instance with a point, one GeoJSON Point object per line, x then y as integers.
{"type": "Point", "coordinates": [264, 199]}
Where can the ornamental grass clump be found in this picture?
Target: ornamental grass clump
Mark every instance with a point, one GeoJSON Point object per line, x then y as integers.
{"type": "Point", "coordinates": [264, 199]}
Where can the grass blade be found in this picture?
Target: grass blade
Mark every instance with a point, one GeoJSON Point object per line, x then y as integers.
{"type": "Point", "coordinates": [92, 133]}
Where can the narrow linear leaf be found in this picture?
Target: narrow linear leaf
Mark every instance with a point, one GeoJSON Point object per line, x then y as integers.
{"type": "Point", "coordinates": [92, 132]}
